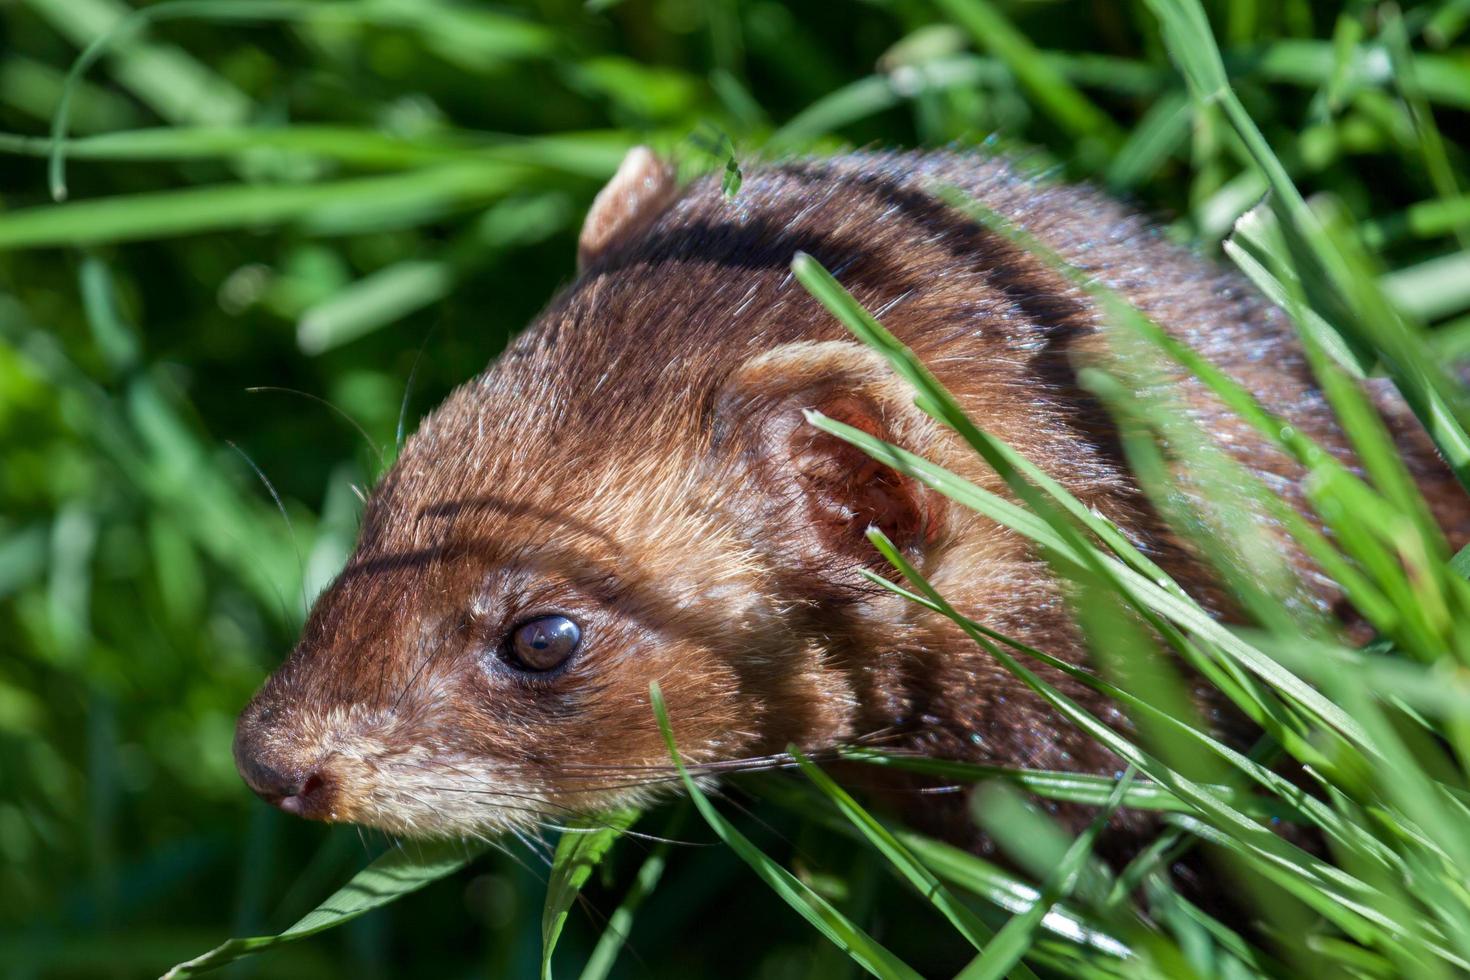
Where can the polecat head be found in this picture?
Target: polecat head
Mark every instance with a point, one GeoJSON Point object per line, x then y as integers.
{"type": "Point", "coordinates": [629, 494]}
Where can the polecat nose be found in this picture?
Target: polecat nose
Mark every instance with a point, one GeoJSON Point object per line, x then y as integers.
{"type": "Point", "coordinates": [294, 780]}
{"type": "Point", "coordinates": [305, 797]}
{"type": "Point", "coordinates": [270, 784]}
{"type": "Point", "coordinates": [303, 794]}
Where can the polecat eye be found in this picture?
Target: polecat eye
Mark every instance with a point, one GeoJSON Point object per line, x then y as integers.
{"type": "Point", "coordinates": [545, 642]}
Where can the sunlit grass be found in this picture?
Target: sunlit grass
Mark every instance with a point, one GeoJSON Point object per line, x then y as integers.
{"type": "Point", "coordinates": [295, 197]}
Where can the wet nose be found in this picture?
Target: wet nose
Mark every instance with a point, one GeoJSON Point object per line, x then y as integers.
{"type": "Point", "coordinates": [297, 793]}
{"type": "Point", "coordinates": [279, 776]}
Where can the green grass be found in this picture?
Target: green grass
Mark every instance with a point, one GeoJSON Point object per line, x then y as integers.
{"type": "Point", "coordinates": [361, 201]}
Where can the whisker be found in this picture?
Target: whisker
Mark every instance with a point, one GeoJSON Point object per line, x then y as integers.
{"type": "Point", "coordinates": [443, 642]}
{"type": "Point", "coordinates": [566, 810]}
{"type": "Point", "coordinates": [280, 506]}
{"type": "Point", "coordinates": [377, 450]}
{"type": "Point", "coordinates": [542, 852]}
{"type": "Point", "coordinates": [413, 373]}
{"type": "Point", "coordinates": [639, 835]}
{"type": "Point", "coordinates": [540, 814]}
{"type": "Point", "coordinates": [500, 848]}
{"type": "Point", "coordinates": [491, 843]}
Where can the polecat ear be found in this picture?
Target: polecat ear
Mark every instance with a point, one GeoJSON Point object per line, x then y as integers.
{"type": "Point", "coordinates": [811, 495]}
{"type": "Point", "coordinates": [639, 192]}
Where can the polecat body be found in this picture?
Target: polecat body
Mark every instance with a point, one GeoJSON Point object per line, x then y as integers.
{"type": "Point", "coordinates": [631, 494]}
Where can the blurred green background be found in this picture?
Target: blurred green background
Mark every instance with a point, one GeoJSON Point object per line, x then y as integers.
{"type": "Point", "coordinates": [352, 206]}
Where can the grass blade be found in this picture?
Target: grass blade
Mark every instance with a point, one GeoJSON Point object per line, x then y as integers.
{"type": "Point", "coordinates": [583, 845]}
{"type": "Point", "coordinates": [862, 948]}
{"type": "Point", "coordinates": [423, 194]}
{"type": "Point", "coordinates": [1017, 935]}
{"type": "Point", "coordinates": [397, 873]}
{"type": "Point", "coordinates": [620, 923]}
{"type": "Point", "coordinates": [965, 922]}
{"type": "Point", "coordinates": [1095, 131]}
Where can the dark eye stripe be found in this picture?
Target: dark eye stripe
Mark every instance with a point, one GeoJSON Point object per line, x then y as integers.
{"type": "Point", "coordinates": [545, 642]}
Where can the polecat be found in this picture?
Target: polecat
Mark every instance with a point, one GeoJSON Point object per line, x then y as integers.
{"type": "Point", "coordinates": [630, 493]}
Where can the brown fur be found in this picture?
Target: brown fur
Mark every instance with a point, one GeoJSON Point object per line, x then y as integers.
{"type": "Point", "coordinates": [637, 460]}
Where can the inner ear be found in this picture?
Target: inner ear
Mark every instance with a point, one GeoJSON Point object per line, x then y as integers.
{"type": "Point", "coordinates": [846, 491]}
{"type": "Point", "coordinates": [815, 494]}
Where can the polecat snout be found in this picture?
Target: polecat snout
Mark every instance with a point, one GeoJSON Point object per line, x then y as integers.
{"type": "Point", "coordinates": [630, 493]}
